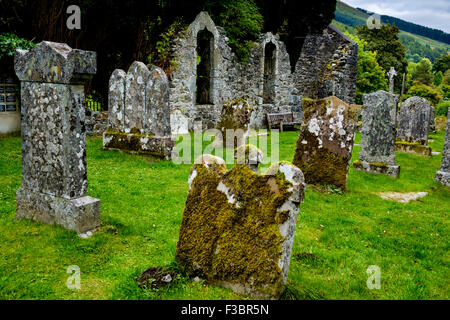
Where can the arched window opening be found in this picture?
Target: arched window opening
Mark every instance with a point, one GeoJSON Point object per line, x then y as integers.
{"type": "Point", "coordinates": [205, 43]}
{"type": "Point", "coordinates": [269, 73]}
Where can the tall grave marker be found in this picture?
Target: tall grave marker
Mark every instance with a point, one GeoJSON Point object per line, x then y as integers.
{"type": "Point", "coordinates": [54, 175]}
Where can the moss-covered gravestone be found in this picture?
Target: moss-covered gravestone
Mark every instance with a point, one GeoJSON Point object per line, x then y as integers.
{"type": "Point", "coordinates": [378, 134]}
{"type": "Point", "coordinates": [325, 144]}
{"type": "Point", "coordinates": [443, 175]}
{"type": "Point", "coordinates": [54, 175]}
{"type": "Point", "coordinates": [238, 226]}
{"type": "Point", "coordinates": [233, 124]}
{"type": "Point", "coordinates": [413, 126]}
{"type": "Point", "coordinates": [139, 112]}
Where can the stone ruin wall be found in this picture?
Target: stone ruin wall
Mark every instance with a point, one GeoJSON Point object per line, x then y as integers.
{"type": "Point", "coordinates": [230, 79]}
{"type": "Point", "coordinates": [327, 66]}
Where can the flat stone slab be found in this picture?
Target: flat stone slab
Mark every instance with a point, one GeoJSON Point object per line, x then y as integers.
{"type": "Point", "coordinates": [402, 197]}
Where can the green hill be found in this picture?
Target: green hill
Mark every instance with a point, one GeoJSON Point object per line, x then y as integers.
{"type": "Point", "coordinates": [417, 45]}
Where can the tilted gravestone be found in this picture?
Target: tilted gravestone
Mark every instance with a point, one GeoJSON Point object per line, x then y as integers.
{"type": "Point", "coordinates": [54, 175]}
{"type": "Point", "coordinates": [325, 144]}
{"type": "Point", "coordinates": [234, 124]}
{"type": "Point", "coordinates": [238, 226]}
{"type": "Point", "coordinates": [139, 112]}
{"type": "Point", "coordinates": [378, 134]}
{"type": "Point", "coordinates": [413, 126]}
{"type": "Point", "coordinates": [443, 175]}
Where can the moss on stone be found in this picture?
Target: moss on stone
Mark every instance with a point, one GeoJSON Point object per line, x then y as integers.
{"type": "Point", "coordinates": [130, 142]}
{"type": "Point", "coordinates": [237, 242]}
{"type": "Point", "coordinates": [319, 165]}
{"type": "Point", "coordinates": [378, 164]}
{"type": "Point", "coordinates": [412, 147]}
{"type": "Point", "coordinates": [234, 118]}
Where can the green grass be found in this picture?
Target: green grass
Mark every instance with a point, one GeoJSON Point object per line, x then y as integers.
{"type": "Point", "coordinates": [142, 205]}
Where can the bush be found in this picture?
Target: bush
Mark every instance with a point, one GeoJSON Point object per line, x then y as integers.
{"type": "Point", "coordinates": [440, 123]}
{"type": "Point", "coordinates": [10, 42]}
{"type": "Point", "coordinates": [432, 95]}
{"type": "Point", "coordinates": [442, 108]}
{"type": "Point", "coordinates": [445, 89]}
{"type": "Point", "coordinates": [242, 22]}
{"type": "Point", "coordinates": [161, 55]}
{"type": "Point", "coordinates": [370, 76]}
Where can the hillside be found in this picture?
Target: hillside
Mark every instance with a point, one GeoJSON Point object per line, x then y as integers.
{"type": "Point", "coordinates": [412, 35]}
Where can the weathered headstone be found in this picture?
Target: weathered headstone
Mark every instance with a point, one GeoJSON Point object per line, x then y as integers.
{"type": "Point", "coordinates": [135, 86]}
{"type": "Point", "coordinates": [54, 175]}
{"type": "Point", "coordinates": [233, 124]}
{"type": "Point", "coordinates": [413, 125]}
{"type": "Point", "coordinates": [443, 175]}
{"type": "Point", "coordinates": [325, 144]}
{"type": "Point", "coordinates": [179, 123]}
{"type": "Point", "coordinates": [378, 134]}
{"type": "Point", "coordinates": [116, 100]}
{"type": "Point", "coordinates": [238, 226]}
{"type": "Point", "coordinates": [139, 112]}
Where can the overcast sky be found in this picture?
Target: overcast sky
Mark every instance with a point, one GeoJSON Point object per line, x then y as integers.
{"type": "Point", "coordinates": [430, 13]}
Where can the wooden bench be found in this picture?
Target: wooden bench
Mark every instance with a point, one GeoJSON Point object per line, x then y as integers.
{"type": "Point", "coordinates": [281, 120]}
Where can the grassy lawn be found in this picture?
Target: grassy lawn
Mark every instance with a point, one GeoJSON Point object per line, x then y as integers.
{"type": "Point", "coordinates": [338, 236]}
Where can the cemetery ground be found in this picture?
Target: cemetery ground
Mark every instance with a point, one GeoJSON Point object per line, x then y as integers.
{"type": "Point", "coordinates": [338, 235]}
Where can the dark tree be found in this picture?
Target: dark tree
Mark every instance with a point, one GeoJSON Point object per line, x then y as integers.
{"type": "Point", "coordinates": [294, 20]}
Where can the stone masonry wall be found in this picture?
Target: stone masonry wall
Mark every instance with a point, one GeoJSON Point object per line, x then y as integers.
{"type": "Point", "coordinates": [327, 66]}
{"type": "Point", "coordinates": [230, 79]}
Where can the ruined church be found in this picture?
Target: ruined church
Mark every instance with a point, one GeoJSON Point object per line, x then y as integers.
{"type": "Point", "coordinates": [208, 74]}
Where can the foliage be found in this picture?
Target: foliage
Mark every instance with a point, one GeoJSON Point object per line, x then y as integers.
{"type": "Point", "coordinates": [442, 63]}
{"type": "Point", "coordinates": [370, 76]}
{"type": "Point", "coordinates": [431, 33]}
{"type": "Point", "coordinates": [432, 95]}
{"type": "Point", "coordinates": [10, 42]}
{"type": "Point", "coordinates": [422, 72]}
{"type": "Point", "coordinates": [161, 55]}
{"type": "Point", "coordinates": [241, 20]}
{"type": "Point", "coordinates": [442, 108]}
{"type": "Point", "coordinates": [445, 89]}
{"type": "Point", "coordinates": [390, 51]}
{"type": "Point", "coordinates": [446, 79]}
{"type": "Point", "coordinates": [417, 46]}
{"type": "Point", "coordinates": [416, 49]}
{"type": "Point", "coordinates": [438, 76]}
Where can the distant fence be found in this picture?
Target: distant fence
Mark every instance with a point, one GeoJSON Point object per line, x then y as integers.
{"type": "Point", "coordinates": [96, 105]}
{"type": "Point", "coordinates": [9, 101]}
